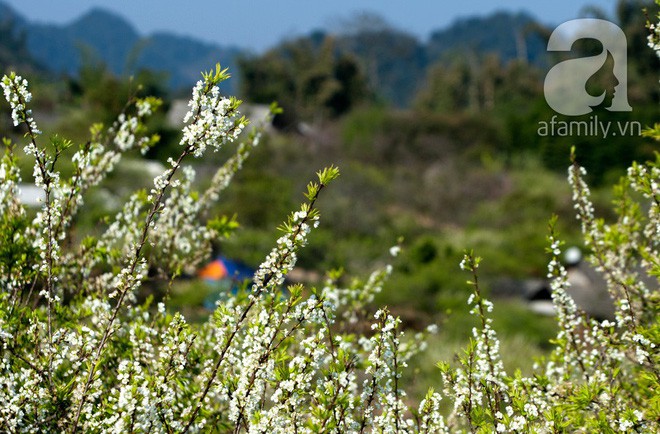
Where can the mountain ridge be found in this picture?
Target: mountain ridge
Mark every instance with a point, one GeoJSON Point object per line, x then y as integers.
{"type": "Point", "coordinates": [104, 36]}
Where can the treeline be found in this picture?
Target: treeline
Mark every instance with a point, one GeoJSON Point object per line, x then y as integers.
{"type": "Point", "coordinates": [494, 75]}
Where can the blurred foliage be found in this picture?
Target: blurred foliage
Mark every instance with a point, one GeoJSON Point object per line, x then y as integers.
{"type": "Point", "coordinates": [307, 77]}
{"type": "Point", "coordinates": [14, 53]}
{"type": "Point", "coordinates": [394, 60]}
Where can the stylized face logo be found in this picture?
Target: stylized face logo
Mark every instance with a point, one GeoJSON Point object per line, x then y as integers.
{"type": "Point", "coordinates": [565, 85]}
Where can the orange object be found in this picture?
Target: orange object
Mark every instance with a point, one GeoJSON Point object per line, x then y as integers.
{"type": "Point", "coordinates": [215, 270]}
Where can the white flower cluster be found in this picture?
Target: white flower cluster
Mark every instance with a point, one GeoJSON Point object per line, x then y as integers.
{"type": "Point", "coordinates": [125, 136]}
{"type": "Point", "coordinates": [381, 389]}
{"type": "Point", "coordinates": [353, 301]}
{"type": "Point", "coordinates": [276, 360]}
{"type": "Point", "coordinates": [654, 37]}
{"type": "Point", "coordinates": [581, 197]}
{"type": "Point", "coordinates": [11, 210]}
{"type": "Point", "coordinates": [179, 241]}
{"type": "Point", "coordinates": [646, 181]}
{"type": "Point", "coordinates": [281, 260]}
{"type": "Point", "coordinates": [10, 177]}
{"type": "Point", "coordinates": [481, 381]}
{"type": "Point", "coordinates": [123, 233]}
{"type": "Point", "coordinates": [432, 419]}
{"type": "Point", "coordinates": [265, 336]}
{"type": "Point", "coordinates": [211, 121]}
{"type": "Point", "coordinates": [16, 93]}
{"type": "Point", "coordinates": [224, 175]}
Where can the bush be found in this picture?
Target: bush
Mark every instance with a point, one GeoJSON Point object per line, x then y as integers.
{"type": "Point", "coordinates": [81, 351]}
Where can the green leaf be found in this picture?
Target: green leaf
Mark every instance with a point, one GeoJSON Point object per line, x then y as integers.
{"type": "Point", "coordinates": [328, 174]}
{"type": "Point", "coordinates": [223, 226]}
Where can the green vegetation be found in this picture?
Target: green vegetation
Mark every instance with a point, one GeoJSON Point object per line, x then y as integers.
{"type": "Point", "coordinates": [84, 348]}
{"type": "Point", "coordinates": [463, 164]}
{"type": "Point", "coordinates": [456, 161]}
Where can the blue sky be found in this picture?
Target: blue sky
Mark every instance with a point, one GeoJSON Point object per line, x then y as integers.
{"type": "Point", "coordinates": [258, 24]}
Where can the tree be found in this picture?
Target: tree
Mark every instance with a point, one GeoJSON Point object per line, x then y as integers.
{"type": "Point", "coordinates": [308, 77]}
{"type": "Point", "coordinates": [394, 61]}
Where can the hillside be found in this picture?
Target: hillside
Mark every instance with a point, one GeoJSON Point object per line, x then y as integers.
{"type": "Point", "coordinates": [100, 35]}
{"type": "Point", "coordinates": [395, 61]}
{"type": "Point", "coordinates": [509, 35]}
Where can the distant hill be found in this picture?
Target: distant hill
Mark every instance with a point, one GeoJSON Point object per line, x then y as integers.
{"type": "Point", "coordinates": [395, 62]}
{"type": "Point", "coordinates": [509, 35]}
{"type": "Point", "coordinates": [185, 57]}
{"type": "Point", "coordinates": [100, 35]}
{"type": "Point", "coordinates": [14, 52]}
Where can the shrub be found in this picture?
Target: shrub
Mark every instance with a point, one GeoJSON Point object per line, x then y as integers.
{"type": "Point", "coordinates": [79, 352]}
